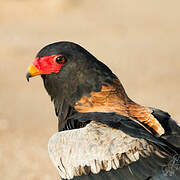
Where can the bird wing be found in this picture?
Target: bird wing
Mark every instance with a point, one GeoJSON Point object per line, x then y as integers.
{"type": "Point", "coordinates": [117, 148]}
{"type": "Point", "coordinates": [97, 150]}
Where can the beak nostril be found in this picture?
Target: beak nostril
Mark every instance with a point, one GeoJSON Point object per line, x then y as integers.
{"type": "Point", "coordinates": [28, 75]}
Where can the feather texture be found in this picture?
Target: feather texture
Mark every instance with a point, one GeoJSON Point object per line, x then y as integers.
{"type": "Point", "coordinates": [98, 147]}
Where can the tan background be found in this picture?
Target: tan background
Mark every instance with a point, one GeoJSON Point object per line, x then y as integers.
{"type": "Point", "coordinates": [138, 39]}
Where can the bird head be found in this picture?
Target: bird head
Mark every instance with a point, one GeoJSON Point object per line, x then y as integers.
{"type": "Point", "coordinates": [69, 72]}
{"type": "Point", "coordinates": [53, 58]}
{"type": "Point", "coordinates": [68, 64]}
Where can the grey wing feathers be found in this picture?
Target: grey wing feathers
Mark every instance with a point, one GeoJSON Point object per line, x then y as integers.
{"type": "Point", "coordinates": [100, 152]}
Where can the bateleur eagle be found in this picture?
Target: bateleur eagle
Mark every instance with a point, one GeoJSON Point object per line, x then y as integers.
{"type": "Point", "coordinates": [103, 134]}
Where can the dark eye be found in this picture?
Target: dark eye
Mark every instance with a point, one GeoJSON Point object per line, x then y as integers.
{"type": "Point", "coordinates": [60, 59]}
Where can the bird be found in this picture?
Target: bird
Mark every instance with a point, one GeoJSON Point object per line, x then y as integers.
{"type": "Point", "coordinates": [102, 133]}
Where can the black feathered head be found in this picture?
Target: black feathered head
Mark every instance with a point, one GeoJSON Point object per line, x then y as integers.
{"type": "Point", "coordinates": [69, 72]}
{"type": "Point", "coordinates": [68, 64]}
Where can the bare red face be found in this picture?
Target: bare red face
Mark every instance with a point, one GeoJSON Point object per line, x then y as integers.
{"type": "Point", "coordinates": [46, 65]}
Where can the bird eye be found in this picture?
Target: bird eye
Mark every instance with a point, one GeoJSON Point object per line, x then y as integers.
{"type": "Point", "coordinates": [60, 59]}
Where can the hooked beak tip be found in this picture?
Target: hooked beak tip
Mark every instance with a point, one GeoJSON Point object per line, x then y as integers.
{"type": "Point", "coordinates": [28, 75]}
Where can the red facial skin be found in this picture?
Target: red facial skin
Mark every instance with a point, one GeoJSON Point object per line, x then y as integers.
{"type": "Point", "coordinates": [47, 64]}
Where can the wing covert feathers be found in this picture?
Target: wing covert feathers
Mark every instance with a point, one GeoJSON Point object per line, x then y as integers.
{"type": "Point", "coordinates": [94, 148]}
{"type": "Point", "coordinates": [112, 98]}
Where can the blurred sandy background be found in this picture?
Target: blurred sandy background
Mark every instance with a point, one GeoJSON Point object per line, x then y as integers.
{"type": "Point", "coordinates": [138, 39]}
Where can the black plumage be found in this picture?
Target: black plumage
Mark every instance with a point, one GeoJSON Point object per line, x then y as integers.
{"type": "Point", "coordinates": [88, 97]}
{"type": "Point", "coordinates": [81, 75]}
